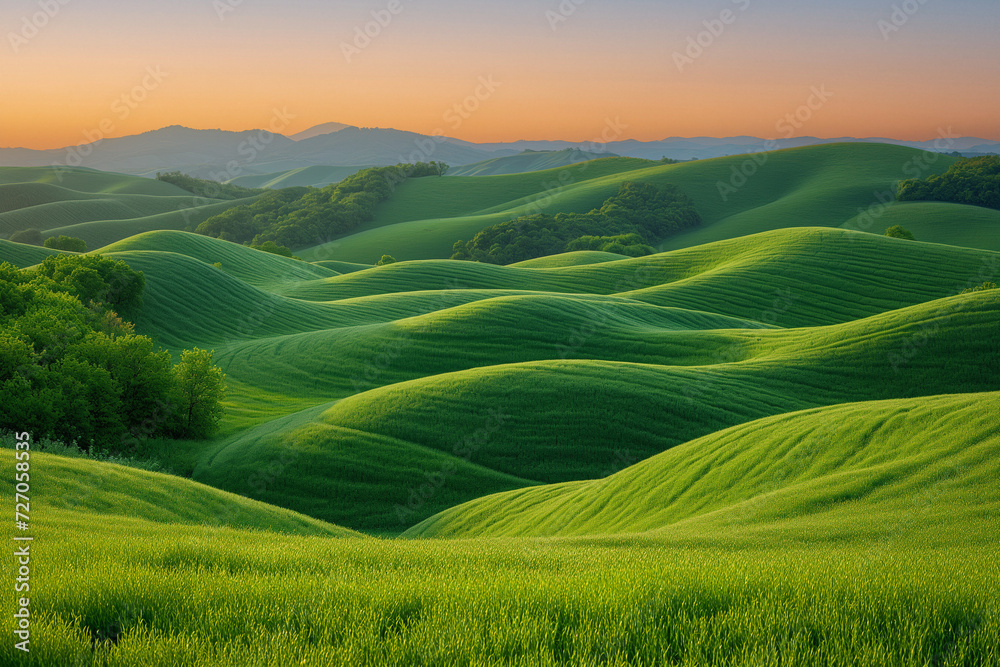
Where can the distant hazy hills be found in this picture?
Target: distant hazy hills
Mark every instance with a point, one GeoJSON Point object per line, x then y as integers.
{"type": "Point", "coordinates": [527, 161]}
{"type": "Point", "coordinates": [224, 155]}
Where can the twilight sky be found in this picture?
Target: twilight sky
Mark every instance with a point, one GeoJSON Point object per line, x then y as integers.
{"type": "Point", "coordinates": [516, 69]}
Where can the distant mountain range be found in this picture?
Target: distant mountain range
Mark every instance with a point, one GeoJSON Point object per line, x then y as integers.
{"type": "Point", "coordinates": [224, 155]}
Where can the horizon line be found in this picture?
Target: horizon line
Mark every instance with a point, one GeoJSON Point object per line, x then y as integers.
{"type": "Point", "coordinates": [481, 143]}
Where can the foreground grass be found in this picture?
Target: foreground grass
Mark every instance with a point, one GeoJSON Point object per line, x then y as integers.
{"type": "Point", "coordinates": [128, 592]}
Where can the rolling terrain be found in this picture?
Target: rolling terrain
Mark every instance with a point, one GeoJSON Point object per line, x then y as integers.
{"type": "Point", "coordinates": [377, 379]}
{"type": "Point", "coordinates": [830, 185]}
{"type": "Point", "coordinates": [528, 161]}
{"type": "Point", "coordinates": [99, 207]}
{"type": "Point", "coordinates": [774, 442]}
{"type": "Point", "coordinates": [844, 472]}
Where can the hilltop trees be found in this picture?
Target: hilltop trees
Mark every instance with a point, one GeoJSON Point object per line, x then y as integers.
{"type": "Point", "coordinates": [632, 245]}
{"type": "Point", "coordinates": [899, 232]}
{"type": "Point", "coordinates": [207, 189]}
{"type": "Point", "coordinates": [30, 236]}
{"type": "Point", "coordinates": [274, 249]}
{"type": "Point", "coordinates": [386, 259]}
{"type": "Point", "coordinates": [628, 223]}
{"type": "Point", "coordinates": [300, 217]}
{"type": "Point", "coordinates": [973, 181]}
{"type": "Point", "coordinates": [69, 243]}
{"type": "Point", "coordinates": [76, 371]}
{"type": "Point", "coordinates": [983, 287]}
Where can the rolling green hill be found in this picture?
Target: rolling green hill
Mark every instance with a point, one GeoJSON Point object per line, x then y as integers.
{"type": "Point", "coordinates": [22, 255]}
{"type": "Point", "coordinates": [384, 374]}
{"type": "Point", "coordinates": [564, 420]}
{"type": "Point", "coordinates": [795, 277]}
{"type": "Point", "coordinates": [83, 180]}
{"type": "Point", "coordinates": [100, 233]}
{"type": "Point", "coordinates": [252, 266]}
{"type": "Point", "coordinates": [527, 161]}
{"type": "Point", "coordinates": [813, 186]}
{"type": "Point", "coordinates": [316, 176]}
{"type": "Point", "coordinates": [936, 222]}
{"type": "Point", "coordinates": [399, 344]}
{"type": "Point", "coordinates": [85, 491]}
{"type": "Point", "coordinates": [776, 448]}
{"type": "Point", "coordinates": [99, 207]}
{"type": "Point", "coordinates": [843, 472]}
{"type": "Point", "coordinates": [577, 258]}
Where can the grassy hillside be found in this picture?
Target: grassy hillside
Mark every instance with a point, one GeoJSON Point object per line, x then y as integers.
{"type": "Point", "coordinates": [251, 266]}
{"type": "Point", "coordinates": [512, 376]}
{"type": "Point", "coordinates": [844, 472]}
{"type": "Point", "coordinates": [101, 233]}
{"type": "Point", "coordinates": [527, 161]}
{"type": "Point", "coordinates": [315, 176]}
{"type": "Point", "coordinates": [22, 255]}
{"type": "Point", "coordinates": [561, 420]}
{"type": "Point", "coordinates": [812, 186]}
{"type": "Point", "coordinates": [578, 258]}
{"type": "Point", "coordinates": [794, 277]}
{"type": "Point", "coordinates": [612, 373]}
{"type": "Point", "coordinates": [99, 207]}
{"type": "Point", "coordinates": [83, 180]}
{"type": "Point", "coordinates": [88, 492]}
{"type": "Point", "coordinates": [937, 222]}
{"type": "Point", "coordinates": [329, 471]}
{"type": "Point", "coordinates": [772, 449]}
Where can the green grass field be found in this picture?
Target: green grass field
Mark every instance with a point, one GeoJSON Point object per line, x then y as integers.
{"type": "Point", "coordinates": [774, 443]}
{"type": "Point", "coordinates": [99, 207]}
{"type": "Point", "coordinates": [121, 588]}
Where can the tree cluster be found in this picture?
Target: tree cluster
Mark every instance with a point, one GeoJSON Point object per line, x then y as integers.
{"type": "Point", "coordinates": [71, 369]}
{"type": "Point", "coordinates": [973, 181]}
{"type": "Point", "coordinates": [630, 222]}
{"type": "Point", "coordinates": [206, 188]}
{"type": "Point", "coordinates": [301, 217]}
{"type": "Point", "coordinates": [632, 245]}
{"type": "Point", "coordinates": [96, 281]}
{"type": "Point", "coordinates": [30, 236]}
{"type": "Point", "coordinates": [274, 249]}
{"type": "Point", "coordinates": [983, 287]}
{"type": "Point", "coordinates": [899, 232]}
{"type": "Point", "coordinates": [69, 243]}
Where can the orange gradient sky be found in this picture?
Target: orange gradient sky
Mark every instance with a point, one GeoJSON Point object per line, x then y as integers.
{"type": "Point", "coordinates": [557, 79]}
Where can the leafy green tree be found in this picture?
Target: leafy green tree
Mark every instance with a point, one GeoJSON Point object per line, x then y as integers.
{"type": "Point", "coordinates": [77, 373]}
{"type": "Point", "coordinates": [206, 188]}
{"type": "Point", "coordinates": [980, 288]}
{"type": "Point", "coordinates": [642, 212]}
{"type": "Point", "coordinates": [200, 389]}
{"type": "Point", "coordinates": [69, 243]}
{"type": "Point", "coordinates": [899, 232]}
{"type": "Point", "coordinates": [301, 217]}
{"type": "Point", "coordinates": [144, 374]}
{"type": "Point", "coordinates": [386, 259]}
{"type": "Point", "coordinates": [273, 248]}
{"type": "Point", "coordinates": [974, 181]}
{"type": "Point", "coordinates": [30, 236]}
{"type": "Point", "coordinates": [460, 251]}
{"type": "Point", "coordinates": [96, 279]}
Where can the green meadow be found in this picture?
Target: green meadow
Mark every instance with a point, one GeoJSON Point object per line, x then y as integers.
{"type": "Point", "coordinates": [774, 442]}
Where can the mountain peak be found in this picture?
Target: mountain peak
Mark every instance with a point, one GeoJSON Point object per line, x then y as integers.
{"type": "Point", "coordinates": [317, 130]}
